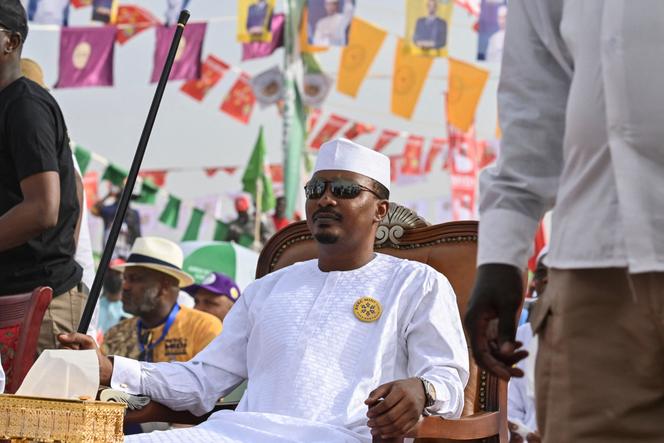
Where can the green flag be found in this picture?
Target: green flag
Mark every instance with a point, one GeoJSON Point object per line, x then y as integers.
{"type": "Point", "coordinates": [294, 145]}
{"type": "Point", "coordinates": [148, 192]}
{"type": "Point", "coordinates": [194, 225]}
{"type": "Point", "coordinates": [258, 170]}
{"type": "Point", "coordinates": [171, 212]}
{"type": "Point", "coordinates": [220, 231]}
{"type": "Point", "coordinates": [115, 175]}
{"type": "Point", "coordinates": [83, 158]}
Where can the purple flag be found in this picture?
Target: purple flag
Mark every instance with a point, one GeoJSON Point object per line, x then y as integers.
{"type": "Point", "coordinates": [187, 64]}
{"type": "Point", "coordinates": [86, 57]}
{"type": "Point", "coordinates": [263, 49]}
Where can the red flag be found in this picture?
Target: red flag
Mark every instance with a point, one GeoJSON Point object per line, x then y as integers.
{"type": "Point", "coordinates": [394, 167]}
{"type": "Point", "coordinates": [133, 20]}
{"type": "Point", "coordinates": [212, 70]}
{"type": "Point", "coordinates": [333, 125]}
{"type": "Point", "coordinates": [358, 129]}
{"type": "Point", "coordinates": [240, 100]}
{"type": "Point", "coordinates": [90, 187]}
{"type": "Point", "coordinates": [437, 146]}
{"type": "Point", "coordinates": [313, 119]}
{"type": "Point", "coordinates": [277, 173]}
{"type": "Point", "coordinates": [385, 137]}
{"type": "Point", "coordinates": [462, 156]}
{"type": "Point", "coordinates": [412, 154]}
{"type": "Point", "coordinates": [81, 3]}
{"type": "Point", "coordinates": [540, 243]}
{"type": "Point", "coordinates": [158, 177]}
{"type": "Point", "coordinates": [211, 172]}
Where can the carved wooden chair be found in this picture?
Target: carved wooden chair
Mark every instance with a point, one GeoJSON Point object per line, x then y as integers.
{"type": "Point", "coordinates": [20, 318]}
{"type": "Point", "coordinates": [449, 248]}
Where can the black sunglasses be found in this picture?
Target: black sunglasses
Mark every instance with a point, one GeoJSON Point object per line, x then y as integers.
{"type": "Point", "coordinates": [339, 188]}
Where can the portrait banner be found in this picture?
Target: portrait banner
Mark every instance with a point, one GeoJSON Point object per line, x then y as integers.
{"type": "Point", "coordinates": [328, 21]}
{"type": "Point", "coordinates": [263, 49]}
{"type": "Point", "coordinates": [493, 17]}
{"type": "Point", "coordinates": [48, 12]}
{"type": "Point", "coordinates": [173, 9]}
{"type": "Point", "coordinates": [410, 73]}
{"type": "Point", "coordinates": [105, 11]}
{"type": "Point", "coordinates": [428, 27]}
{"type": "Point", "coordinates": [187, 64]}
{"type": "Point", "coordinates": [86, 57]}
{"type": "Point", "coordinates": [304, 37]}
{"type": "Point", "coordinates": [465, 87]}
{"type": "Point", "coordinates": [212, 71]}
{"type": "Point", "coordinates": [254, 20]}
{"type": "Point", "coordinates": [364, 42]}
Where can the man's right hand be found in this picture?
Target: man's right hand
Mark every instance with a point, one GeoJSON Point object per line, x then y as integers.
{"type": "Point", "coordinates": [496, 296]}
{"type": "Point", "coordinates": [78, 341]}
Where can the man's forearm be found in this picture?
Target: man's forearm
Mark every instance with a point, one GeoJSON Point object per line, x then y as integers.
{"type": "Point", "coordinates": [22, 223]}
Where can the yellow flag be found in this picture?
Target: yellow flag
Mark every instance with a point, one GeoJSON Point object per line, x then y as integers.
{"type": "Point", "coordinates": [364, 42]}
{"type": "Point", "coordinates": [410, 73]}
{"type": "Point", "coordinates": [304, 38]}
{"type": "Point", "coordinates": [466, 83]}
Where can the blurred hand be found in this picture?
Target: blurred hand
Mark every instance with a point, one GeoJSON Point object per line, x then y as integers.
{"type": "Point", "coordinates": [514, 437]}
{"type": "Point", "coordinates": [400, 410]}
{"type": "Point", "coordinates": [496, 296]}
{"type": "Point", "coordinates": [534, 437]}
{"type": "Point", "coordinates": [78, 341]}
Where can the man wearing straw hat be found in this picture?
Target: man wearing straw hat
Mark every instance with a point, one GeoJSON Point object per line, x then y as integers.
{"type": "Point", "coordinates": [161, 330]}
{"type": "Point", "coordinates": [335, 349]}
{"type": "Point", "coordinates": [38, 202]}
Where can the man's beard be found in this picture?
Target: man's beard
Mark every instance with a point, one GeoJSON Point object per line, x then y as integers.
{"type": "Point", "coordinates": [326, 238]}
{"type": "Point", "coordinates": [146, 305]}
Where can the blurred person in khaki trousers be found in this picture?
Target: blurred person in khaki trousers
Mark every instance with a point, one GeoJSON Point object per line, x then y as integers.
{"type": "Point", "coordinates": [580, 98]}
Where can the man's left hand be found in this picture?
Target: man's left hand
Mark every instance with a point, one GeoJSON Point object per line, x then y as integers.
{"type": "Point", "coordinates": [399, 410]}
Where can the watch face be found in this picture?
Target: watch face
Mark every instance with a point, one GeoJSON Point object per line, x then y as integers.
{"type": "Point", "coordinates": [430, 392]}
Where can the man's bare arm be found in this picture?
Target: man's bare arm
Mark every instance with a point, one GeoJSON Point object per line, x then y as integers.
{"type": "Point", "coordinates": [36, 213]}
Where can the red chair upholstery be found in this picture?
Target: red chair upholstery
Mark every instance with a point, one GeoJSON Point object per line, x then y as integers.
{"type": "Point", "coordinates": [20, 319]}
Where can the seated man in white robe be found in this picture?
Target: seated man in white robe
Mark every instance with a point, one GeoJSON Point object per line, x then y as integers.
{"type": "Point", "coordinates": [335, 349]}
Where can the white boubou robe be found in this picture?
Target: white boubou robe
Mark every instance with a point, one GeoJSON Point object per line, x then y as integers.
{"type": "Point", "coordinates": [310, 362]}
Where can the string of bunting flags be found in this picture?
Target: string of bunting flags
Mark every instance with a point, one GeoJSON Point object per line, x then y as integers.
{"type": "Point", "coordinates": [87, 58]}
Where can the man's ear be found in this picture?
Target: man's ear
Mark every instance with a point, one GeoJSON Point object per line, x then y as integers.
{"type": "Point", "coordinates": [382, 207]}
{"type": "Point", "coordinates": [13, 44]}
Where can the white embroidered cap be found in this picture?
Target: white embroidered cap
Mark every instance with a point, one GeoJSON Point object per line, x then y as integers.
{"type": "Point", "coordinates": [344, 155]}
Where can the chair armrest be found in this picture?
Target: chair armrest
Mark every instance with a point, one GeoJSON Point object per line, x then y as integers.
{"type": "Point", "coordinates": [154, 411]}
{"type": "Point", "coordinates": [471, 427]}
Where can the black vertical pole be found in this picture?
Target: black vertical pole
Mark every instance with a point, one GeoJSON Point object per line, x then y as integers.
{"type": "Point", "coordinates": [131, 178]}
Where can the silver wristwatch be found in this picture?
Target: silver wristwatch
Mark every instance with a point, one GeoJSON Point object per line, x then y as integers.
{"type": "Point", "coordinates": [429, 392]}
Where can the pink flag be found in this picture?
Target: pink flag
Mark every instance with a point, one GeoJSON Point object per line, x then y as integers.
{"type": "Point", "coordinates": [86, 57]}
{"type": "Point", "coordinates": [259, 49]}
{"type": "Point", "coordinates": [187, 64]}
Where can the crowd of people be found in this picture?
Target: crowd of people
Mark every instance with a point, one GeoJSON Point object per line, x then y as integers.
{"type": "Point", "coordinates": [357, 344]}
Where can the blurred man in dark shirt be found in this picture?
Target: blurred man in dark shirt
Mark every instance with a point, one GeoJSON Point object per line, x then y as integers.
{"type": "Point", "coordinates": [38, 203]}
